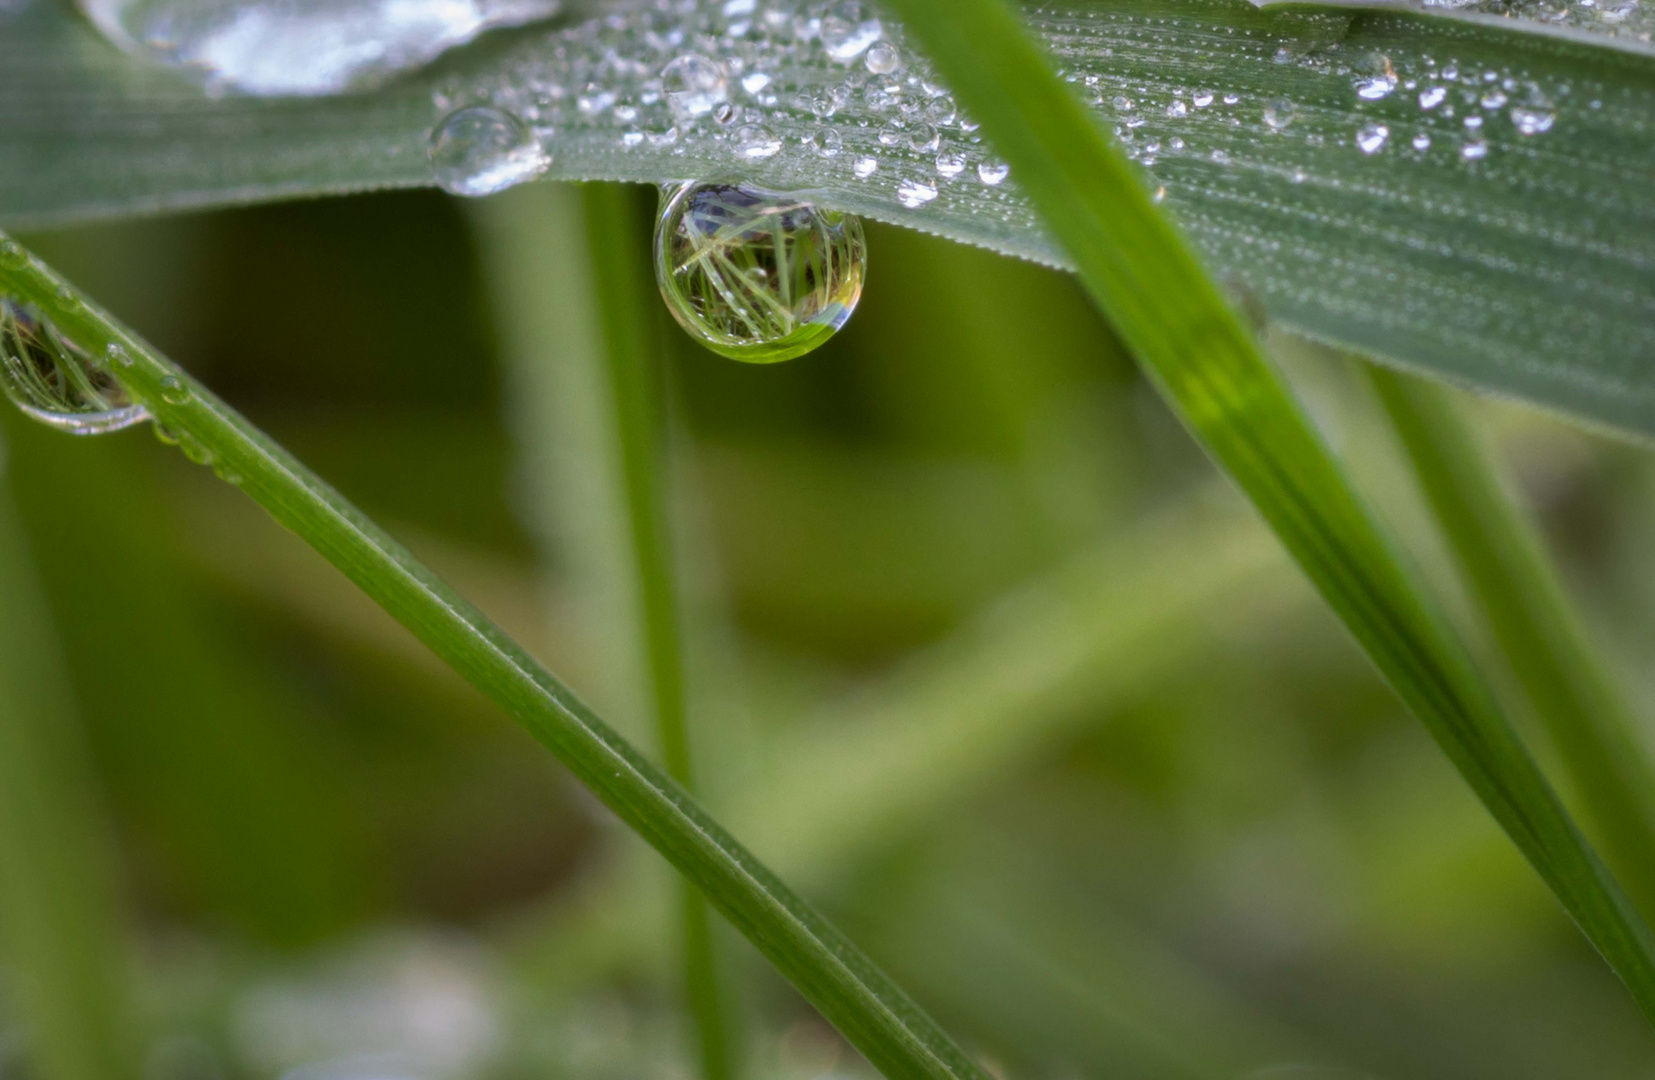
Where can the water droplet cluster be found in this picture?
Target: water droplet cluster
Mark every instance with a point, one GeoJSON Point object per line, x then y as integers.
{"type": "Point", "coordinates": [57, 382]}
{"type": "Point", "coordinates": [756, 275]}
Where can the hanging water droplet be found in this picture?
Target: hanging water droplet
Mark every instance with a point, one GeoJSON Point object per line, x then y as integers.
{"type": "Point", "coordinates": [481, 150]}
{"type": "Point", "coordinates": [756, 275]}
{"type": "Point", "coordinates": [915, 193]}
{"type": "Point", "coordinates": [54, 380]}
{"type": "Point", "coordinates": [1279, 113]}
{"type": "Point", "coordinates": [694, 85]}
{"type": "Point", "coordinates": [755, 142]}
{"type": "Point", "coordinates": [1371, 139]}
{"type": "Point", "coordinates": [302, 47]}
{"type": "Point", "coordinates": [993, 173]}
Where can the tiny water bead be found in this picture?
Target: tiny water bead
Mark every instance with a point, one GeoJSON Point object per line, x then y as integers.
{"type": "Point", "coordinates": [694, 85]}
{"type": "Point", "coordinates": [281, 48]}
{"type": "Point", "coordinates": [480, 150]}
{"type": "Point", "coordinates": [54, 380]}
{"type": "Point", "coordinates": [756, 275]}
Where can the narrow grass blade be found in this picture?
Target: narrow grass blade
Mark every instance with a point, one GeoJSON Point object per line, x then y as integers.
{"type": "Point", "coordinates": [831, 973]}
{"type": "Point", "coordinates": [58, 916]}
{"type": "Point", "coordinates": [630, 320]}
{"type": "Point", "coordinates": [1506, 564]}
{"type": "Point", "coordinates": [1194, 347]}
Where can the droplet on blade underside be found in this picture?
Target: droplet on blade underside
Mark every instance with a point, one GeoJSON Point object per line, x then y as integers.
{"type": "Point", "coordinates": [302, 48]}
{"type": "Point", "coordinates": [55, 381]}
{"type": "Point", "coordinates": [755, 275]}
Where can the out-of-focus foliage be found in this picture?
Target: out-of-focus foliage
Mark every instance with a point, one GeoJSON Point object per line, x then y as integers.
{"type": "Point", "coordinates": [1210, 846]}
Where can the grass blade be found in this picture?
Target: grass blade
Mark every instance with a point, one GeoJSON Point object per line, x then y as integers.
{"type": "Point", "coordinates": [1503, 559]}
{"type": "Point", "coordinates": [57, 912]}
{"type": "Point", "coordinates": [631, 323]}
{"type": "Point", "coordinates": [1193, 346]}
{"type": "Point", "coordinates": [870, 1010]}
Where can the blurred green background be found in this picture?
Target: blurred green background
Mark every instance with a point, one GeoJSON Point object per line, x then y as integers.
{"type": "Point", "coordinates": [985, 657]}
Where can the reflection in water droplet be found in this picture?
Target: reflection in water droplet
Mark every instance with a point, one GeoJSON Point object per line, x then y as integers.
{"type": "Point", "coordinates": [54, 380]}
{"type": "Point", "coordinates": [1371, 139]}
{"type": "Point", "coordinates": [756, 275]}
{"type": "Point", "coordinates": [915, 193]}
{"type": "Point", "coordinates": [883, 59]}
{"type": "Point", "coordinates": [1279, 113]}
{"type": "Point", "coordinates": [302, 47]}
{"type": "Point", "coordinates": [481, 150]}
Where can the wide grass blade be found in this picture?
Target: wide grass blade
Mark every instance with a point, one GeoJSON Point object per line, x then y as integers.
{"type": "Point", "coordinates": [1518, 262]}
{"type": "Point", "coordinates": [59, 920]}
{"type": "Point", "coordinates": [1194, 347]}
{"type": "Point", "coordinates": [1505, 562]}
{"type": "Point", "coordinates": [871, 1011]}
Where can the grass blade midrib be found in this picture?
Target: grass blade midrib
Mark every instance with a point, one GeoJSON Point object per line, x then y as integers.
{"type": "Point", "coordinates": [1195, 349]}
{"type": "Point", "coordinates": [890, 1030]}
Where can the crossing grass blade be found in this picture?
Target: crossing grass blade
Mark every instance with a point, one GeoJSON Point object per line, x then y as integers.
{"type": "Point", "coordinates": [1504, 561]}
{"type": "Point", "coordinates": [1193, 346]}
{"type": "Point", "coordinates": [874, 1014]}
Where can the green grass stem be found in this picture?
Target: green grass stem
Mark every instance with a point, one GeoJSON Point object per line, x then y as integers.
{"type": "Point", "coordinates": [1193, 346]}
{"type": "Point", "coordinates": [875, 1015]}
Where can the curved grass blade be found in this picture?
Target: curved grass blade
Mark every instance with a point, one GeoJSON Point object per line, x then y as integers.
{"type": "Point", "coordinates": [1515, 255]}
{"type": "Point", "coordinates": [828, 970]}
{"type": "Point", "coordinates": [57, 913]}
{"type": "Point", "coordinates": [1193, 346]}
{"type": "Point", "coordinates": [1503, 559]}
{"type": "Point", "coordinates": [630, 328]}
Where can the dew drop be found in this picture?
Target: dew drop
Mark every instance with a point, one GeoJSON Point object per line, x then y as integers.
{"type": "Point", "coordinates": [302, 47]}
{"type": "Point", "coordinates": [993, 173]}
{"type": "Point", "coordinates": [915, 193]}
{"type": "Point", "coordinates": [848, 31]}
{"type": "Point", "coordinates": [694, 85]}
{"type": "Point", "coordinates": [1475, 150]}
{"type": "Point", "coordinates": [883, 58]}
{"type": "Point", "coordinates": [54, 380]}
{"type": "Point", "coordinates": [1231, 99]}
{"type": "Point", "coordinates": [12, 255]}
{"type": "Point", "coordinates": [1202, 98]}
{"type": "Point", "coordinates": [173, 391]}
{"type": "Point", "coordinates": [827, 143]}
{"type": "Point", "coordinates": [1422, 142]}
{"type": "Point", "coordinates": [1279, 113]}
{"type": "Point", "coordinates": [1371, 139]}
{"type": "Point", "coordinates": [1532, 121]}
{"type": "Point", "coordinates": [481, 150]}
{"type": "Point", "coordinates": [1432, 96]}
{"type": "Point", "coordinates": [1177, 107]}
{"type": "Point", "coordinates": [1493, 99]}
{"type": "Point", "coordinates": [1374, 87]}
{"type": "Point", "coordinates": [756, 275]}
{"type": "Point", "coordinates": [950, 164]}
{"type": "Point", "coordinates": [755, 142]}
{"type": "Point", "coordinates": [755, 82]}
{"type": "Point", "coordinates": [865, 167]}
{"type": "Point", "coordinates": [924, 140]}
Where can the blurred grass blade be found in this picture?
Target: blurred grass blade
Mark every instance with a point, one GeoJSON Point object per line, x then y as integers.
{"type": "Point", "coordinates": [871, 1011]}
{"type": "Point", "coordinates": [1193, 346]}
{"type": "Point", "coordinates": [1518, 262]}
{"type": "Point", "coordinates": [59, 918]}
{"type": "Point", "coordinates": [630, 316]}
{"type": "Point", "coordinates": [1502, 557]}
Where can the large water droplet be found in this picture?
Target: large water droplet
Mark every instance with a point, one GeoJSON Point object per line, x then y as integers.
{"type": "Point", "coordinates": [54, 380]}
{"type": "Point", "coordinates": [481, 150]}
{"type": "Point", "coordinates": [756, 275]}
{"type": "Point", "coordinates": [1279, 113]}
{"type": "Point", "coordinates": [694, 85]}
{"type": "Point", "coordinates": [302, 47]}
